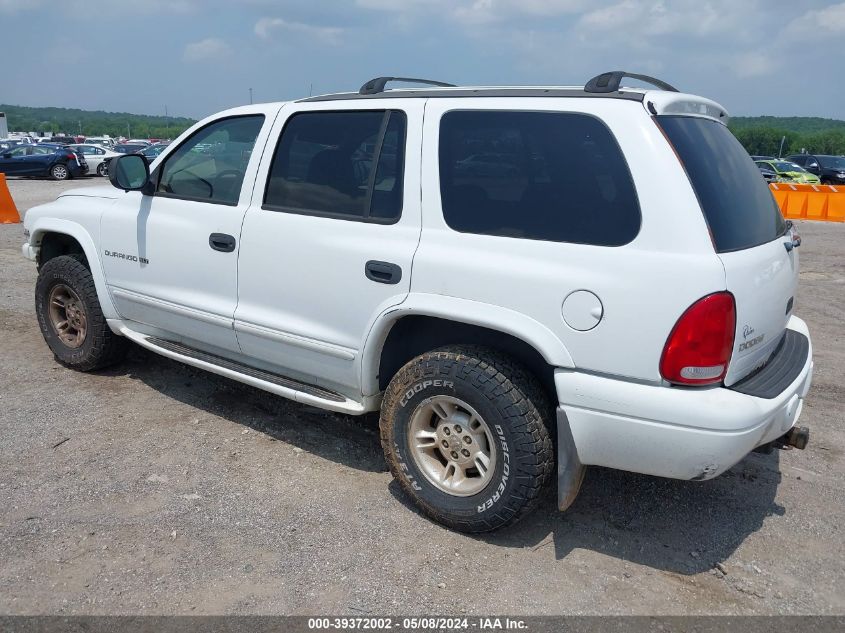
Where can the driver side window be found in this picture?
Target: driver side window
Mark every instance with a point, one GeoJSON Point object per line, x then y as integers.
{"type": "Point", "coordinates": [210, 165]}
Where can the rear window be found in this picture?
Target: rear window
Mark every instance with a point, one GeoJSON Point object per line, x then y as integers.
{"type": "Point", "coordinates": [737, 204]}
{"type": "Point", "coordinates": [550, 176]}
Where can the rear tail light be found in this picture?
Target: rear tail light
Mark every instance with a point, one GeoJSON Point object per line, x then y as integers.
{"type": "Point", "coordinates": [699, 348]}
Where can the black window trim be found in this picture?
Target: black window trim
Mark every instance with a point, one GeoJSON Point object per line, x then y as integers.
{"type": "Point", "coordinates": [531, 239]}
{"type": "Point", "coordinates": [155, 177]}
{"type": "Point", "coordinates": [366, 219]}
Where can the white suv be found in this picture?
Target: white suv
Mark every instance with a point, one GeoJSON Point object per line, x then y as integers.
{"type": "Point", "coordinates": [515, 277]}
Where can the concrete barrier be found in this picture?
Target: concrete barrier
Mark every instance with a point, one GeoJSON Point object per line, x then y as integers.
{"type": "Point", "coordinates": [8, 210]}
{"type": "Point", "coordinates": [825, 203]}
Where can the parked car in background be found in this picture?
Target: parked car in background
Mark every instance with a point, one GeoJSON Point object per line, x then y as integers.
{"type": "Point", "coordinates": [58, 162]}
{"type": "Point", "coordinates": [128, 148]}
{"type": "Point", "coordinates": [766, 172]}
{"type": "Point", "coordinates": [100, 140]}
{"type": "Point", "coordinates": [756, 158]}
{"type": "Point", "coordinates": [789, 172]}
{"type": "Point", "coordinates": [829, 169]}
{"type": "Point", "coordinates": [6, 145]}
{"type": "Point", "coordinates": [63, 140]}
{"type": "Point", "coordinates": [152, 152]}
{"type": "Point", "coordinates": [139, 141]}
{"type": "Point", "coordinates": [96, 156]}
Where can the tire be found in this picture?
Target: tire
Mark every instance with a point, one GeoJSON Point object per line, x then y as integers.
{"type": "Point", "coordinates": [101, 169]}
{"type": "Point", "coordinates": [65, 292]}
{"type": "Point", "coordinates": [470, 385]}
{"type": "Point", "coordinates": [59, 171]}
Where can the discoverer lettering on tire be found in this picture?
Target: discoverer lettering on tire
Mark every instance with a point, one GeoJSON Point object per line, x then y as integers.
{"type": "Point", "coordinates": [465, 433]}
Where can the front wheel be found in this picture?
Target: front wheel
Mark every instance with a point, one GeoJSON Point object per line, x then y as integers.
{"type": "Point", "coordinates": [70, 316]}
{"type": "Point", "coordinates": [464, 431]}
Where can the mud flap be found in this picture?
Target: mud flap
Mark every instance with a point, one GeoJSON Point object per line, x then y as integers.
{"type": "Point", "coordinates": [570, 470]}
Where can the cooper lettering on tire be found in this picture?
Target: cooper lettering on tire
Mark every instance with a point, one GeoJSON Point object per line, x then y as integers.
{"type": "Point", "coordinates": [464, 431]}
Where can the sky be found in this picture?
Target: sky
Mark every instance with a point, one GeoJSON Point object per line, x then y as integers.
{"type": "Point", "coordinates": [197, 57]}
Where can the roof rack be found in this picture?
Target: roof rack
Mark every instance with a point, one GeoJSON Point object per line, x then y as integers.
{"type": "Point", "coordinates": [609, 82]}
{"type": "Point", "coordinates": [375, 86]}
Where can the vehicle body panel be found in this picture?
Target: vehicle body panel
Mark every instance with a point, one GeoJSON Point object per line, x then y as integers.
{"type": "Point", "coordinates": [160, 268]}
{"type": "Point", "coordinates": [305, 304]}
{"type": "Point", "coordinates": [533, 277]}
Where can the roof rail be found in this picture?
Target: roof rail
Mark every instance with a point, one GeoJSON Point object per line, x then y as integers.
{"type": "Point", "coordinates": [375, 86]}
{"type": "Point", "coordinates": [609, 82]}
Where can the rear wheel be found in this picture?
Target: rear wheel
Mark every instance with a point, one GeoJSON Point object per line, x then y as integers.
{"type": "Point", "coordinates": [70, 316]}
{"type": "Point", "coordinates": [59, 171]}
{"type": "Point", "coordinates": [101, 169]}
{"type": "Point", "coordinates": [464, 431]}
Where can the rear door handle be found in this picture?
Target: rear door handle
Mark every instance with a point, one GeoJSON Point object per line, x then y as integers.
{"type": "Point", "coordinates": [222, 242]}
{"type": "Point", "coordinates": [383, 272]}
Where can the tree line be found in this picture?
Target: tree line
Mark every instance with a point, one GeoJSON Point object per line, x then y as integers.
{"type": "Point", "coordinates": [50, 121]}
{"type": "Point", "coordinates": [763, 135]}
{"type": "Point", "coordinates": [759, 135]}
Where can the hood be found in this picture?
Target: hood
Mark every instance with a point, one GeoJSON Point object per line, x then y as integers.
{"type": "Point", "coordinates": [800, 176]}
{"type": "Point", "coordinates": [103, 191]}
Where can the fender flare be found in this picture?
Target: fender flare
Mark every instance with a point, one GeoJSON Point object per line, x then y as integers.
{"type": "Point", "coordinates": [43, 226]}
{"type": "Point", "coordinates": [486, 315]}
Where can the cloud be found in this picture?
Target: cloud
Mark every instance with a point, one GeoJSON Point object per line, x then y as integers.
{"type": "Point", "coordinates": [753, 64]}
{"type": "Point", "coordinates": [265, 27]}
{"type": "Point", "coordinates": [829, 21]}
{"type": "Point", "coordinates": [471, 12]}
{"type": "Point", "coordinates": [657, 17]}
{"type": "Point", "coordinates": [207, 49]}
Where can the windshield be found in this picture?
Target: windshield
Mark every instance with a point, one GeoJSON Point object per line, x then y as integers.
{"type": "Point", "coordinates": [737, 204]}
{"type": "Point", "coordinates": [783, 166]}
{"type": "Point", "coordinates": [832, 162]}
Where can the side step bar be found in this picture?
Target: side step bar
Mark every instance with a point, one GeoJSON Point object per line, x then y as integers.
{"type": "Point", "coordinates": [279, 385]}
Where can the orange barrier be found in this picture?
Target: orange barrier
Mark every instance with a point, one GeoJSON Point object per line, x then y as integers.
{"type": "Point", "coordinates": [8, 210]}
{"type": "Point", "coordinates": [810, 202]}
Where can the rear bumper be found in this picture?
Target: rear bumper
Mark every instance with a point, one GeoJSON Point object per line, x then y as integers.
{"type": "Point", "coordinates": [77, 170]}
{"type": "Point", "coordinates": [682, 433]}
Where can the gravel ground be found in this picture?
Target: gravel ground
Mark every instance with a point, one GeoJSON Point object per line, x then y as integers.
{"type": "Point", "coordinates": [154, 488]}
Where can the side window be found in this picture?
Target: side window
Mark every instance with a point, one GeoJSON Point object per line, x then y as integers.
{"type": "Point", "coordinates": [323, 165]}
{"type": "Point", "coordinates": [550, 176]}
{"type": "Point", "coordinates": [210, 165]}
{"type": "Point", "coordinates": [20, 151]}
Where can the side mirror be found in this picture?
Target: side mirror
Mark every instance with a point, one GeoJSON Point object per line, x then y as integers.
{"type": "Point", "coordinates": [129, 172]}
{"type": "Point", "coordinates": [7, 155]}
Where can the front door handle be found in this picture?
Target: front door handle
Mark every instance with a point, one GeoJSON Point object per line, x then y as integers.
{"type": "Point", "coordinates": [383, 272]}
{"type": "Point", "coordinates": [222, 242]}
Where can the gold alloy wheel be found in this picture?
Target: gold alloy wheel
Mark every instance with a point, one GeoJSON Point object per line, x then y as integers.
{"type": "Point", "coordinates": [67, 316]}
{"type": "Point", "coordinates": [452, 446]}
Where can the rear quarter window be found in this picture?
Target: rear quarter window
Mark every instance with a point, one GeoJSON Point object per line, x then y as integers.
{"type": "Point", "coordinates": [737, 203]}
{"type": "Point", "coordinates": [550, 176]}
